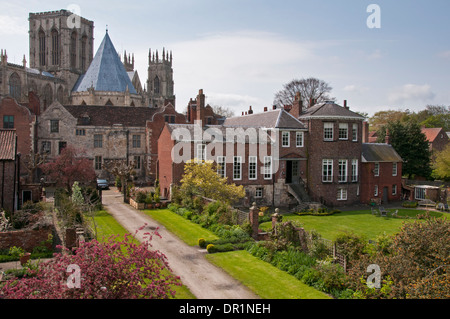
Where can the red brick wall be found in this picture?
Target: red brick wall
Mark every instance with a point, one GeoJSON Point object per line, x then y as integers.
{"type": "Point", "coordinates": [7, 171]}
{"type": "Point", "coordinates": [165, 163]}
{"type": "Point", "coordinates": [318, 149]}
{"type": "Point", "coordinates": [385, 179]}
{"type": "Point", "coordinates": [27, 239]}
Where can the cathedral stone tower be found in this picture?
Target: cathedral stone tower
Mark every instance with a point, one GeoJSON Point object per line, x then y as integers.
{"type": "Point", "coordinates": [61, 43]}
{"type": "Point", "coordinates": [160, 85]}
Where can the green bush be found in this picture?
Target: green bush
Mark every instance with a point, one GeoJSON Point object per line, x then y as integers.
{"type": "Point", "coordinates": [211, 249]}
{"type": "Point", "coordinates": [202, 242]}
{"type": "Point", "coordinates": [410, 204]}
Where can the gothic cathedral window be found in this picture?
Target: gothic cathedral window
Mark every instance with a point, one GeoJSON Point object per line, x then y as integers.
{"type": "Point", "coordinates": [73, 50]}
{"type": "Point", "coordinates": [15, 87]}
{"type": "Point", "coordinates": [55, 48]}
{"type": "Point", "coordinates": [41, 48]}
{"type": "Point", "coordinates": [156, 85]}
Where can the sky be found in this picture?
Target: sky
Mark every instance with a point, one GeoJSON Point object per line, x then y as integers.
{"type": "Point", "coordinates": [241, 52]}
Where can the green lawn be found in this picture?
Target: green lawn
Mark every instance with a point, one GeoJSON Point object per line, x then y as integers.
{"type": "Point", "coordinates": [107, 226]}
{"type": "Point", "coordinates": [265, 280]}
{"type": "Point", "coordinates": [186, 230]}
{"type": "Point", "coordinates": [360, 222]}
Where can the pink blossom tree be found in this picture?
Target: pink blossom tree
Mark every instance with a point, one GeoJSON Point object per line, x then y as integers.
{"type": "Point", "coordinates": [112, 269]}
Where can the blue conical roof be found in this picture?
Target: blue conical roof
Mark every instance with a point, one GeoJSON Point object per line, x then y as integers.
{"type": "Point", "coordinates": [106, 72]}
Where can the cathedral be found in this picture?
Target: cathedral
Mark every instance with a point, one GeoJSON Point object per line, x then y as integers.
{"type": "Point", "coordinates": [62, 67]}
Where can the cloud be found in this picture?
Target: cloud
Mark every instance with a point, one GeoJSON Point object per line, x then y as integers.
{"type": "Point", "coordinates": [352, 88]}
{"type": "Point", "coordinates": [411, 92]}
{"type": "Point", "coordinates": [375, 55]}
{"type": "Point", "coordinates": [444, 55]}
{"type": "Point", "coordinates": [10, 25]}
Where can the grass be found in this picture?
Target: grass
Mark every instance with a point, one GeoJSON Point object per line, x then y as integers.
{"type": "Point", "coordinates": [184, 229]}
{"type": "Point", "coordinates": [360, 222]}
{"type": "Point", "coordinates": [108, 226]}
{"type": "Point", "coordinates": [264, 279]}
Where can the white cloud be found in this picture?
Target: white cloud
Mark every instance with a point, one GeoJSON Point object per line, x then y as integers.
{"type": "Point", "coordinates": [11, 25]}
{"type": "Point", "coordinates": [411, 92]}
{"type": "Point", "coordinates": [375, 55]}
{"type": "Point", "coordinates": [357, 89]}
{"type": "Point", "coordinates": [444, 55]}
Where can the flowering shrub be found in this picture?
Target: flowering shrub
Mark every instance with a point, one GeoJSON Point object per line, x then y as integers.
{"type": "Point", "coordinates": [114, 269]}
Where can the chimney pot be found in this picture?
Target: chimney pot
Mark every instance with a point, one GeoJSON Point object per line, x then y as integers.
{"type": "Point", "coordinates": [265, 109]}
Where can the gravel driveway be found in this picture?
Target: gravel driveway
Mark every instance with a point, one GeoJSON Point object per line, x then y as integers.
{"type": "Point", "coordinates": [203, 279]}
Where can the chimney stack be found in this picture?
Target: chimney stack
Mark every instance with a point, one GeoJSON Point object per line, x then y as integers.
{"type": "Point", "coordinates": [265, 108]}
{"type": "Point", "coordinates": [387, 138]}
{"type": "Point", "coordinates": [200, 108]}
{"type": "Point", "coordinates": [297, 106]}
{"type": "Point", "coordinates": [250, 111]}
{"type": "Point", "coordinates": [345, 104]}
{"type": "Point", "coordinates": [365, 132]}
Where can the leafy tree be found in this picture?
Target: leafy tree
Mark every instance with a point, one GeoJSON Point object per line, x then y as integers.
{"type": "Point", "coordinates": [411, 144]}
{"type": "Point", "coordinates": [382, 118]}
{"type": "Point", "coordinates": [310, 89]}
{"type": "Point", "coordinates": [414, 266]}
{"type": "Point", "coordinates": [117, 268]}
{"type": "Point", "coordinates": [441, 164]}
{"type": "Point", "coordinates": [70, 166]}
{"type": "Point", "coordinates": [201, 179]}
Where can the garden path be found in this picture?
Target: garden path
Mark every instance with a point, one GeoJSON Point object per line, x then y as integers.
{"type": "Point", "coordinates": [203, 279]}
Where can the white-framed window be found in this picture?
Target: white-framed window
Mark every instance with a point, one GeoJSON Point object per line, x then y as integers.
{"type": "Point", "coordinates": [342, 194]}
{"type": "Point", "coordinates": [376, 170]}
{"type": "Point", "coordinates": [375, 191]}
{"type": "Point", "coordinates": [221, 171]}
{"type": "Point", "coordinates": [299, 139]}
{"type": "Point", "coordinates": [237, 168]}
{"type": "Point", "coordinates": [259, 192]}
{"type": "Point", "coordinates": [355, 132]}
{"type": "Point", "coordinates": [285, 139]}
{"type": "Point", "coordinates": [343, 171]}
{"type": "Point", "coordinates": [267, 167]}
{"type": "Point", "coordinates": [343, 131]}
{"type": "Point", "coordinates": [327, 170]}
{"type": "Point", "coordinates": [354, 170]}
{"type": "Point", "coordinates": [394, 169]}
{"type": "Point", "coordinates": [419, 193]}
{"type": "Point", "coordinates": [328, 131]}
{"type": "Point", "coordinates": [252, 166]}
{"type": "Point", "coordinates": [394, 189]}
{"type": "Point", "coordinates": [201, 152]}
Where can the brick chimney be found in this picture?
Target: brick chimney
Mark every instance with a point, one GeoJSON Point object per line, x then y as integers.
{"type": "Point", "coordinates": [365, 132]}
{"type": "Point", "coordinates": [200, 109]}
{"type": "Point", "coordinates": [387, 138]}
{"type": "Point", "coordinates": [297, 106]}
{"type": "Point", "coordinates": [250, 111]}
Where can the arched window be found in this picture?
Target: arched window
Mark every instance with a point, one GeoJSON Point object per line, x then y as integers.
{"type": "Point", "coordinates": [15, 86]}
{"type": "Point", "coordinates": [60, 95]}
{"type": "Point", "coordinates": [73, 50]}
{"type": "Point", "coordinates": [55, 48]}
{"type": "Point", "coordinates": [47, 96]}
{"type": "Point", "coordinates": [42, 47]}
{"type": "Point", "coordinates": [83, 52]}
{"type": "Point", "coordinates": [156, 85]}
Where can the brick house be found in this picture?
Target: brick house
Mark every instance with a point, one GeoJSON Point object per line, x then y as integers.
{"type": "Point", "coordinates": [264, 152]}
{"type": "Point", "coordinates": [334, 142]}
{"type": "Point", "coordinates": [381, 174]}
{"type": "Point", "coordinates": [107, 133]}
{"type": "Point", "coordinates": [9, 170]}
{"type": "Point", "coordinates": [437, 138]}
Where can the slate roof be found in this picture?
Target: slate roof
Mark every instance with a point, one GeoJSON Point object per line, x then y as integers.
{"type": "Point", "coordinates": [110, 115]}
{"type": "Point", "coordinates": [7, 145]}
{"type": "Point", "coordinates": [278, 118]}
{"type": "Point", "coordinates": [106, 72]}
{"type": "Point", "coordinates": [217, 133]}
{"type": "Point", "coordinates": [379, 152]}
{"type": "Point", "coordinates": [329, 109]}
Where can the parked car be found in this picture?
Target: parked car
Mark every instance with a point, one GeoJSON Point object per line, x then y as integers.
{"type": "Point", "coordinates": [102, 184]}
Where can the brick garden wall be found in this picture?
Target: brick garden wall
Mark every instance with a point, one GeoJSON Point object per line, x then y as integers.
{"type": "Point", "coordinates": [27, 239]}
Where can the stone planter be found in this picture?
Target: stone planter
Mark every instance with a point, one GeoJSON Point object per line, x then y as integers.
{"type": "Point", "coordinates": [136, 205]}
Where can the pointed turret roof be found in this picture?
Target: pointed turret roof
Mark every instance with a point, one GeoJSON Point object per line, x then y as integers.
{"type": "Point", "coordinates": [106, 72]}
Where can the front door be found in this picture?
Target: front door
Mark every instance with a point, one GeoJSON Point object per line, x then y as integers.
{"type": "Point", "coordinates": [288, 172]}
{"type": "Point", "coordinates": [385, 195]}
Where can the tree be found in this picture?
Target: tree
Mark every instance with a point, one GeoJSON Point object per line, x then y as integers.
{"type": "Point", "coordinates": [412, 146]}
{"type": "Point", "coordinates": [414, 266]}
{"type": "Point", "coordinates": [116, 268]}
{"type": "Point", "coordinates": [441, 164]}
{"type": "Point", "coordinates": [382, 118]}
{"type": "Point", "coordinates": [70, 166]}
{"type": "Point", "coordinates": [122, 170]}
{"type": "Point", "coordinates": [201, 179]}
{"type": "Point", "coordinates": [223, 111]}
{"type": "Point", "coordinates": [311, 89]}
